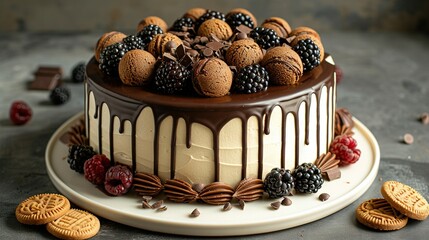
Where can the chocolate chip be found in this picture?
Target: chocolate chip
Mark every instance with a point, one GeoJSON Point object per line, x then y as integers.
{"type": "Point", "coordinates": [146, 198]}
{"type": "Point", "coordinates": [408, 138]}
{"type": "Point", "coordinates": [242, 204]}
{"type": "Point", "coordinates": [323, 197]}
{"type": "Point", "coordinates": [425, 118]}
{"type": "Point", "coordinates": [207, 52]}
{"type": "Point", "coordinates": [286, 201]}
{"type": "Point", "coordinates": [275, 205]}
{"type": "Point", "coordinates": [195, 213]}
{"type": "Point", "coordinates": [227, 206]}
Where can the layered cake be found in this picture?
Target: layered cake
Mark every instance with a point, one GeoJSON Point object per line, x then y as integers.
{"type": "Point", "coordinates": [212, 99]}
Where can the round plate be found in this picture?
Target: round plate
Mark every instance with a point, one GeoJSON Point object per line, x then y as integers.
{"type": "Point", "coordinates": [256, 217]}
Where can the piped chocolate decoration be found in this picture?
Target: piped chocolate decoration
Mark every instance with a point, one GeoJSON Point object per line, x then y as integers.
{"type": "Point", "coordinates": [249, 189]}
{"type": "Point", "coordinates": [180, 191]}
{"type": "Point", "coordinates": [216, 193]}
{"type": "Point", "coordinates": [146, 184]}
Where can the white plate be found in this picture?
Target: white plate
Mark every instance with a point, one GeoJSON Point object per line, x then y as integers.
{"type": "Point", "coordinates": [257, 217]}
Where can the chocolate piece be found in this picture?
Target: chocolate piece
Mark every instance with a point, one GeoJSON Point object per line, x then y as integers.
{"type": "Point", "coordinates": [46, 78]}
{"type": "Point", "coordinates": [170, 46]}
{"type": "Point", "coordinates": [168, 57]}
{"type": "Point", "coordinates": [227, 206]}
{"type": "Point", "coordinates": [275, 205]}
{"type": "Point", "coordinates": [242, 204]}
{"type": "Point", "coordinates": [286, 201]}
{"type": "Point", "coordinates": [323, 197]}
{"type": "Point", "coordinates": [215, 46]}
{"type": "Point", "coordinates": [332, 174]}
{"type": "Point", "coordinates": [244, 29]}
{"type": "Point", "coordinates": [180, 51]}
{"type": "Point", "coordinates": [327, 162]}
{"type": "Point", "coordinates": [408, 138]}
{"type": "Point", "coordinates": [195, 213]}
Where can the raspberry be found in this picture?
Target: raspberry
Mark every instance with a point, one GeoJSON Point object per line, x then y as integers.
{"type": "Point", "coordinates": [20, 113]}
{"type": "Point", "coordinates": [95, 169]}
{"type": "Point", "coordinates": [59, 95]}
{"type": "Point", "coordinates": [119, 180]}
{"type": "Point", "coordinates": [344, 147]}
{"type": "Point", "coordinates": [308, 178]}
{"type": "Point", "coordinates": [78, 72]}
{"type": "Point", "coordinates": [278, 182]}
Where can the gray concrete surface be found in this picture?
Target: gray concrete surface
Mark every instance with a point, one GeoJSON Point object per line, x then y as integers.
{"type": "Point", "coordinates": [385, 85]}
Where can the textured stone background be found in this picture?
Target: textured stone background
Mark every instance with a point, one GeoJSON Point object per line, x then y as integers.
{"type": "Point", "coordinates": [101, 16]}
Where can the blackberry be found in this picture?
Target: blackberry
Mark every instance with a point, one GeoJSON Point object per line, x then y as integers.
{"type": "Point", "coordinates": [78, 72]}
{"type": "Point", "coordinates": [265, 37]}
{"type": "Point", "coordinates": [278, 183]}
{"type": "Point", "coordinates": [110, 57]}
{"type": "Point", "coordinates": [133, 42]}
{"type": "Point", "coordinates": [209, 15]}
{"type": "Point", "coordinates": [182, 22]}
{"type": "Point", "coordinates": [59, 95]}
{"type": "Point", "coordinates": [148, 32]}
{"type": "Point", "coordinates": [308, 178]}
{"type": "Point", "coordinates": [171, 77]}
{"type": "Point", "coordinates": [251, 79]}
{"type": "Point", "coordinates": [309, 53]}
{"type": "Point", "coordinates": [78, 154]}
{"type": "Point", "coordinates": [237, 19]}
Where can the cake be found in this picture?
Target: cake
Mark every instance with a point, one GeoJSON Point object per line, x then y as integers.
{"type": "Point", "coordinates": [215, 101]}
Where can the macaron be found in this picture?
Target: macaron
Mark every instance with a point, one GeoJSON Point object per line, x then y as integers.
{"type": "Point", "coordinates": [152, 20]}
{"type": "Point", "coordinates": [245, 12]}
{"type": "Point", "coordinates": [162, 42]}
{"type": "Point", "coordinates": [212, 77]}
{"type": "Point", "coordinates": [243, 52]}
{"type": "Point", "coordinates": [105, 40]}
{"type": "Point", "coordinates": [279, 25]}
{"type": "Point", "coordinates": [136, 67]}
{"type": "Point", "coordinates": [195, 13]}
{"type": "Point", "coordinates": [284, 66]}
{"type": "Point", "coordinates": [217, 27]}
{"type": "Point", "coordinates": [304, 30]}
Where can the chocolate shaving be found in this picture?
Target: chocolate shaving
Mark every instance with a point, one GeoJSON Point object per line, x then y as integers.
{"type": "Point", "coordinates": [146, 205]}
{"type": "Point", "coordinates": [162, 209]}
{"type": "Point", "coordinates": [327, 161]}
{"type": "Point", "coordinates": [332, 174]}
{"type": "Point", "coordinates": [146, 198]}
{"type": "Point", "coordinates": [243, 29]}
{"type": "Point", "coordinates": [168, 57]}
{"type": "Point", "coordinates": [157, 204]}
{"type": "Point", "coordinates": [215, 46]}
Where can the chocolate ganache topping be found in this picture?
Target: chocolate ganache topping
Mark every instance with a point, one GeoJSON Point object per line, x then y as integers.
{"type": "Point", "coordinates": [126, 103]}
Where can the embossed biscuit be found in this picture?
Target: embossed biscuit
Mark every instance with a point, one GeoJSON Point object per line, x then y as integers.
{"type": "Point", "coordinates": [42, 208]}
{"type": "Point", "coordinates": [75, 224]}
{"type": "Point", "coordinates": [405, 199]}
{"type": "Point", "coordinates": [378, 214]}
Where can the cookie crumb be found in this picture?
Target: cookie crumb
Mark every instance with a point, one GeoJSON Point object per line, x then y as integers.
{"type": "Point", "coordinates": [424, 118]}
{"type": "Point", "coordinates": [408, 138]}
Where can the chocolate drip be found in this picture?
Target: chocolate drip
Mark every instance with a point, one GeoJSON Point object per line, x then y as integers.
{"type": "Point", "coordinates": [127, 103]}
